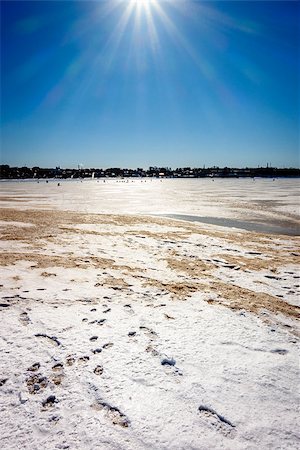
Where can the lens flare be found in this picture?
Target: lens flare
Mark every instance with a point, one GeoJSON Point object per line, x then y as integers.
{"type": "Point", "coordinates": [143, 3]}
{"type": "Point", "coordinates": [133, 37]}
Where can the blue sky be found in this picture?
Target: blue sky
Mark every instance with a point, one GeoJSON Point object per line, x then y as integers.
{"type": "Point", "coordinates": [139, 82]}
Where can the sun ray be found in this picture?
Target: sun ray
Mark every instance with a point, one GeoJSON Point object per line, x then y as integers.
{"type": "Point", "coordinates": [154, 42]}
{"type": "Point", "coordinates": [115, 38]}
{"type": "Point", "coordinates": [180, 40]}
{"type": "Point", "coordinates": [144, 9]}
{"type": "Point", "coordinates": [142, 27]}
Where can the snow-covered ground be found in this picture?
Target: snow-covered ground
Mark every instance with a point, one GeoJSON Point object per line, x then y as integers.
{"type": "Point", "coordinates": [235, 198]}
{"type": "Point", "coordinates": [136, 332]}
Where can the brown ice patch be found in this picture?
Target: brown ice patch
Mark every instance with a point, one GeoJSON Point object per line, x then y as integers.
{"type": "Point", "coordinates": [44, 261]}
{"type": "Point", "coordinates": [162, 236]}
{"type": "Point", "coordinates": [52, 223]}
{"type": "Point", "coordinates": [135, 272]}
{"type": "Point", "coordinates": [178, 290]}
{"type": "Point", "coordinates": [78, 231]}
{"type": "Point", "coordinates": [267, 260]}
{"type": "Point", "coordinates": [245, 263]}
{"type": "Point", "coordinates": [236, 297]}
{"type": "Point", "coordinates": [193, 267]}
{"type": "Point", "coordinates": [114, 283]}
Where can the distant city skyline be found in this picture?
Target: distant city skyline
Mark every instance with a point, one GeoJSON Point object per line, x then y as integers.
{"type": "Point", "coordinates": [137, 83]}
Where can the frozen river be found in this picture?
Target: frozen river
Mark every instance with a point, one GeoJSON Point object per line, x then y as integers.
{"type": "Point", "coordinates": [265, 205]}
{"type": "Point", "coordinates": [133, 332]}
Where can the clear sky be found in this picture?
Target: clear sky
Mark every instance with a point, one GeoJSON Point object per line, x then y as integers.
{"type": "Point", "coordinates": [135, 83]}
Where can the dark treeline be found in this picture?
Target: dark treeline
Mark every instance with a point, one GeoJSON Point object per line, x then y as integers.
{"type": "Point", "coordinates": [7, 172]}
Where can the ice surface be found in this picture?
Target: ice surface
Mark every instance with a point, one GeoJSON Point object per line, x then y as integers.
{"type": "Point", "coordinates": [136, 332]}
{"type": "Point", "coordinates": [243, 198]}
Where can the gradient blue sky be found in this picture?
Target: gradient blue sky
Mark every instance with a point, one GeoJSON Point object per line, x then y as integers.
{"type": "Point", "coordinates": [137, 83]}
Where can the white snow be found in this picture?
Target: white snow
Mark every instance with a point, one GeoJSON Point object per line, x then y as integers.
{"type": "Point", "coordinates": [238, 198]}
{"type": "Point", "coordinates": [97, 331]}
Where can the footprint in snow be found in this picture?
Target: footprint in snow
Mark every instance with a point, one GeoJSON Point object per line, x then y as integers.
{"type": "Point", "coordinates": [59, 375]}
{"type": "Point", "coordinates": [152, 350]}
{"type": "Point", "coordinates": [116, 416]}
{"type": "Point", "coordinates": [128, 309]}
{"type": "Point", "coordinates": [34, 367]}
{"type": "Point", "coordinates": [52, 339]}
{"type": "Point", "coordinates": [101, 322]}
{"type": "Point", "coordinates": [70, 360]}
{"type": "Point", "coordinates": [54, 419]}
{"type": "Point", "coordinates": [98, 370]}
{"type": "Point", "coordinates": [169, 363]}
{"type": "Point", "coordinates": [112, 412]}
{"type": "Point", "coordinates": [108, 345]}
{"type": "Point", "coordinates": [49, 402]}
{"type": "Point", "coordinates": [83, 359]}
{"type": "Point", "coordinates": [24, 318]}
{"type": "Point", "coordinates": [36, 383]}
{"type": "Point", "coordinates": [57, 379]}
{"type": "Point", "coordinates": [214, 420]}
{"type": "Point", "coordinates": [149, 332]}
{"type": "Point", "coordinates": [97, 350]}
{"type": "Point", "coordinates": [132, 333]}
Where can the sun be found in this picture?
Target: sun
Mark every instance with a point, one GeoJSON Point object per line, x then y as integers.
{"type": "Point", "coordinates": [143, 3]}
